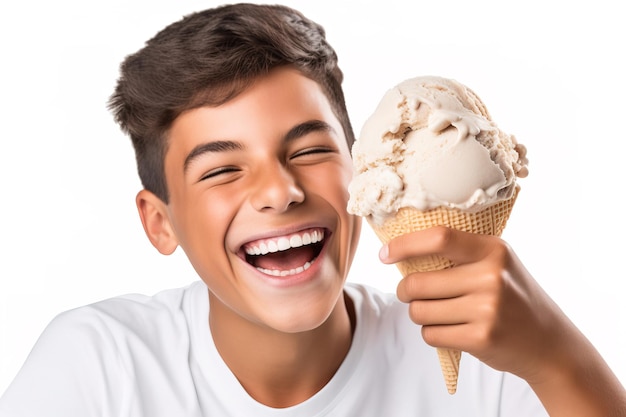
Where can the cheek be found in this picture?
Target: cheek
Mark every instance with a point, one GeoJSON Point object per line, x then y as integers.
{"type": "Point", "coordinates": [352, 227]}
{"type": "Point", "coordinates": [342, 178]}
{"type": "Point", "coordinates": [331, 183]}
{"type": "Point", "coordinates": [333, 179]}
{"type": "Point", "coordinates": [205, 226]}
{"type": "Point", "coordinates": [202, 223]}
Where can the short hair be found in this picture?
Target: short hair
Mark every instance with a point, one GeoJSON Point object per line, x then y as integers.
{"type": "Point", "coordinates": [208, 58]}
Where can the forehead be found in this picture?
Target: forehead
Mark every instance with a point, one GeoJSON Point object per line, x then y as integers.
{"type": "Point", "coordinates": [271, 106]}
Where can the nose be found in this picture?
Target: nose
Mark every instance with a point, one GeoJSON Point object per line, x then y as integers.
{"type": "Point", "coordinates": [275, 188]}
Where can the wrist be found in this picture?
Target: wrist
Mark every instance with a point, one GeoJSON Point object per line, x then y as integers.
{"type": "Point", "coordinates": [576, 381]}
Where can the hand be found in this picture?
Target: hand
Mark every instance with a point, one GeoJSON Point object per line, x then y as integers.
{"type": "Point", "coordinates": [487, 305]}
{"type": "Point", "coordinates": [491, 307]}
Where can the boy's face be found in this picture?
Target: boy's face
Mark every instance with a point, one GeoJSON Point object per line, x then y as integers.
{"type": "Point", "coordinates": [267, 170]}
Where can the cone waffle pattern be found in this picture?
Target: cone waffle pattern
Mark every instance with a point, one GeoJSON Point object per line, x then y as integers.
{"type": "Point", "coordinates": [490, 221]}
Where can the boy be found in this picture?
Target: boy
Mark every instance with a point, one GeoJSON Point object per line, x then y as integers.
{"type": "Point", "coordinates": [242, 142]}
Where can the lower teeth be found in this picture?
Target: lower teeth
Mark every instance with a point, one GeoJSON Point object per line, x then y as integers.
{"type": "Point", "coordinates": [279, 273]}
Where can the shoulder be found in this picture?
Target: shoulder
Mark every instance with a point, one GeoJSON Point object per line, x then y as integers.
{"type": "Point", "coordinates": [170, 300]}
{"type": "Point", "coordinates": [96, 359]}
{"type": "Point", "coordinates": [124, 317]}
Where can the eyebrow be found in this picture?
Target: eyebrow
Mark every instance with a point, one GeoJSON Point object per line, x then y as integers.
{"type": "Point", "coordinates": [210, 147]}
{"type": "Point", "coordinates": [298, 131]}
{"type": "Point", "coordinates": [307, 127]}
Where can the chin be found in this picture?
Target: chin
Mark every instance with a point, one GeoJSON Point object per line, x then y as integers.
{"type": "Point", "coordinates": [304, 314]}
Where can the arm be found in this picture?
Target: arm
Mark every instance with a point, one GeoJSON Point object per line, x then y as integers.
{"type": "Point", "coordinates": [490, 306]}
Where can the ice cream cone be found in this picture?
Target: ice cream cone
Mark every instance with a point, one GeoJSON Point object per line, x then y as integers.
{"type": "Point", "coordinates": [490, 221]}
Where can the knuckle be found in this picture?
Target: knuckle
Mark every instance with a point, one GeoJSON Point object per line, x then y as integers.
{"type": "Point", "coordinates": [441, 237]}
{"type": "Point", "coordinates": [501, 251]}
{"type": "Point", "coordinates": [492, 297]}
{"type": "Point", "coordinates": [494, 280]}
{"type": "Point", "coordinates": [490, 309]}
{"type": "Point", "coordinates": [483, 337]}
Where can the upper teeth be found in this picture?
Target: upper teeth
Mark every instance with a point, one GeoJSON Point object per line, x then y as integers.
{"type": "Point", "coordinates": [262, 247]}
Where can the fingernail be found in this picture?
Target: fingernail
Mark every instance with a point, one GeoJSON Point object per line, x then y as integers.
{"type": "Point", "coordinates": [383, 254]}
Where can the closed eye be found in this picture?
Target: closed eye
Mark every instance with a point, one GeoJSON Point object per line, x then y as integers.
{"type": "Point", "coordinates": [219, 171]}
{"type": "Point", "coordinates": [311, 151]}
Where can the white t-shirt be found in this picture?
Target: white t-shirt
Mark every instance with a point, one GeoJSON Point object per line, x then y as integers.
{"type": "Point", "coordinates": [141, 356]}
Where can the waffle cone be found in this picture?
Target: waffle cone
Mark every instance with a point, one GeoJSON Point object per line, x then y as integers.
{"type": "Point", "coordinates": [489, 221]}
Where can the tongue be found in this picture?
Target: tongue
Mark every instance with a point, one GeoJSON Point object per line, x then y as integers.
{"type": "Point", "coordinates": [285, 260]}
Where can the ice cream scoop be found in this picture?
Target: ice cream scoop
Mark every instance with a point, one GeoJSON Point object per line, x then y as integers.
{"type": "Point", "coordinates": [431, 143]}
{"type": "Point", "coordinates": [431, 155]}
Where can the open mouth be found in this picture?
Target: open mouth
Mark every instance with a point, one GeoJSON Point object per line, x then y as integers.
{"type": "Point", "coordinates": [286, 255]}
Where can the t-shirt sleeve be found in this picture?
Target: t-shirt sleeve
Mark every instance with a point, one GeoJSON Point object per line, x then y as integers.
{"type": "Point", "coordinates": [73, 370]}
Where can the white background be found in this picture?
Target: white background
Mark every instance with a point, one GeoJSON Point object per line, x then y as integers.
{"type": "Point", "coordinates": [550, 72]}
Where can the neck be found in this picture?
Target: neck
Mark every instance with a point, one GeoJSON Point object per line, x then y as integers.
{"type": "Point", "coordinates": [282, 369]}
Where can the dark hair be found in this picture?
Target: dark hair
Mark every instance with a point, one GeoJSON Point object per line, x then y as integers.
{"type": "Point", "coordinates": [207, 58]}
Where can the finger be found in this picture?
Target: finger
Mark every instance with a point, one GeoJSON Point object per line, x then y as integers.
{"type": "Point", "coordinates": [458, 246]}
{"type": "Point", "coordinates": [433, 285]}
{"type": "Point", "coordinates": [445, 283]}
{"type": "Point", "coordinates": [473, 338]}
{"type": "Point", "coordinates": [439, 312]}
{"type": "Point", "coordinates": [446, 336]}
{"type": "Point", "coordinates": [477, 304]}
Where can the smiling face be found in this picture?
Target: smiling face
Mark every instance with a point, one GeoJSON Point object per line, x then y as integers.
{"type": "Point", "coordinates": [258, 195]}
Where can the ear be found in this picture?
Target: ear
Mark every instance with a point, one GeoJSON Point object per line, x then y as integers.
{"type": "Point", "coordinates": [156, 222]}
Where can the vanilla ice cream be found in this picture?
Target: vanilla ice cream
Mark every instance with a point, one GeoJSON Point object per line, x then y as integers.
{"type": "Point", "coordinates": [431, 143]}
